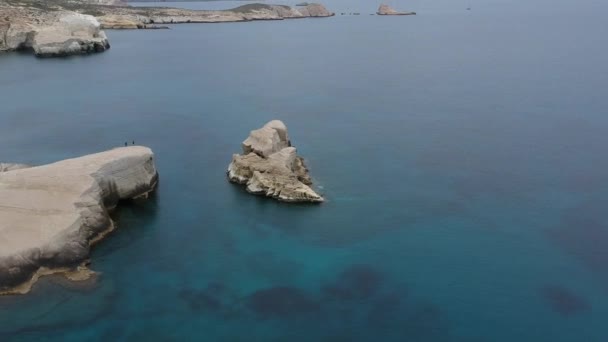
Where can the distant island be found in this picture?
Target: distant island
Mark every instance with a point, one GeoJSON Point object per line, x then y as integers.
{"type": "Point", "coordinates": [387, 10]}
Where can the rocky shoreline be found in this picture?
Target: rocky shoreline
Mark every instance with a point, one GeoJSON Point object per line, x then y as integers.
{"type": "Point", "coordinates": [61, 28]}
{"type": "Point", "coordinates": [51, 215]}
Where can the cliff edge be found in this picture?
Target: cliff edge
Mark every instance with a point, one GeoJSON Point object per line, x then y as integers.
{"type": "Point", "coordinates": [50, 215]}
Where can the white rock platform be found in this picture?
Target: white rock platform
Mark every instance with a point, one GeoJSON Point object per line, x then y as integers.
{"type": "Point", "coordinates": [50, 215]}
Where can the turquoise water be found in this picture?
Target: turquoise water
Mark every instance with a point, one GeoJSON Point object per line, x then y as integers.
{"type": "Point", "coordinates": [462, 154]}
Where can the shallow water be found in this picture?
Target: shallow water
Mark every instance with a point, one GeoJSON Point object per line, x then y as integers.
{"type": "Point", "coordinates": [462, 154]}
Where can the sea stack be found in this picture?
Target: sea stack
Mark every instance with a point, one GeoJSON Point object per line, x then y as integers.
{"type": "Point", "coordinates": [387, 10]}
{"type": "Point", "coordinates": [50, 215]}
{"type": "Point", "coordinates": [270, 166]}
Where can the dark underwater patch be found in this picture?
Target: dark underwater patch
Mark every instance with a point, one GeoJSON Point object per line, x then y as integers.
{"type": "Point", "coordinates": [355, 282]}
{"type": "Point", "coordinates": [281, 301]}
{"type": "Point", "coordinates": [425, 323]}
{"type": "Point", "coordinates": [385, 311]}
{"type": "Point", "coordinates": [272, 266]}
{"type": "Point", "coordinates": [583, 233]}
{"type": "Point", "coordinates": [564, 301]}
{"type": "Point", "coordinates": [208, 299]}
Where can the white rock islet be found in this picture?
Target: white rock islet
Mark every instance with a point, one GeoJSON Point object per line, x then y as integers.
{"type": "Point", "coordinates": [270, 166]}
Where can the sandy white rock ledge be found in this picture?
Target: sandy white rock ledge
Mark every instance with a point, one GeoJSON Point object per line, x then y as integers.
{"type": "Point", "coordinates": [50, 215]}
{"type": "Point", "coordinates": [269, 166]}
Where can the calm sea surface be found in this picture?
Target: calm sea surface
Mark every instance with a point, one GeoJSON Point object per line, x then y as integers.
{"type": "Point", "coordinates": [462, 155]}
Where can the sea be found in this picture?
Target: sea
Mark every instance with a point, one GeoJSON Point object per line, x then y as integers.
{"type": "Point", "coordinates": [462, 153]}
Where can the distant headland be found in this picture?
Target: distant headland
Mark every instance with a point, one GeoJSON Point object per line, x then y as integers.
{"type": "Point", "coordinates": [387, 10]}
{"type": "Point", "coordinates": [53, 28]}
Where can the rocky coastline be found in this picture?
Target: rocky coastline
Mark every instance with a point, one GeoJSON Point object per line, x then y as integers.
{"type": "Point", "coordinates": [138, 17]}
{"type": "Point", "coordinates": [269, 166]}
{"type": "Point", "coordinates": [50, 215]}
{"type": "Point", "coordinates": [51, 28]}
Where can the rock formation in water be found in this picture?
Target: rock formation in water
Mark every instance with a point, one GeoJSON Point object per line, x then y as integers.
{"type": "Point", "coordinates": [50, 215]}
{"type": "Point", "coordinates": [386, 10]}
{"type": "Point", "coordinates": [72, 34]}
{"type": "Point", "coordinates": [52, 34]}
{"type": "Point", "coordinates": [270, 166]}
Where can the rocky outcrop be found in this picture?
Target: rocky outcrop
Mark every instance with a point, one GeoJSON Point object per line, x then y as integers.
{"type": "Point", "coordinates": [121, 22]}
{"type": "Point", "coordinates": [270, 166]}
{"type": "Point", "coordinates": [386, 10]}
{"type": "Point", "coordinates": [314, 11]}
{"type": "Point", "coordinates": [72, 34]}
{"type": "Point", "coordinates": [52, 34]}
{"type": "Point", "coordinates": [50, 215]}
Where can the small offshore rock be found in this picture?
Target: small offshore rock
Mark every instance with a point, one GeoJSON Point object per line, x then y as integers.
{"type": "Point", "coordinates": [270, 166]}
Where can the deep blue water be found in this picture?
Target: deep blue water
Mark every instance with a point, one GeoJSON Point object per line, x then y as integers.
{"type": "Point", "coordinates": [462, 154]}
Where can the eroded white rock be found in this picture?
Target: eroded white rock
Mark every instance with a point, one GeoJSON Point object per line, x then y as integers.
{"type": "Point", "coordinates": [72, 34]}
{"type": "Point", "coordinates": [270, 166]}
{"type": "Point", "coordinates": [49, 215]}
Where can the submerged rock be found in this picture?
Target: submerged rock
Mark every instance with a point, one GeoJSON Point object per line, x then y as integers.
{"type": "Point", "coordinates": [51, 214]}
{"type": "Point", "coordinates": [270, 166]}
{"type": "Point", "coordinates": [387, 10]}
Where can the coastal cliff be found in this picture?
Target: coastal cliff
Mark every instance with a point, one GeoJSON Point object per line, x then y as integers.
{"type": "Point", "coordinates": [270, 166]}
{"type": "Point", "coordinates": [50, 215]}
{"type": "Point", "coordinates": [51, 34]}
{"type": "Point", "coordinates": [70, 27]}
